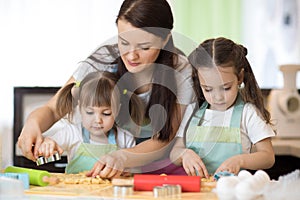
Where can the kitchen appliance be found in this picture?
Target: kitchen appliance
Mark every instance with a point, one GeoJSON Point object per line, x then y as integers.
{"type": "Point", "coordinates": [284, 104]}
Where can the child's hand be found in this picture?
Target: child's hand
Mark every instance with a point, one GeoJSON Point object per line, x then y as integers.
{"type": "Point", "coordinates": [193, 164]}
{"type": "Point", "coordinates": [232, 165]}
{"type": "Point", "coordinates": [49, 147]}
{"type": "Point", "coordinates": [108, 166]}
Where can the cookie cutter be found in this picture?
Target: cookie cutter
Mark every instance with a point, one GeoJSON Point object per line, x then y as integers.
{"type": "Point", "coordinates": [121, 191]}
{"type": "Point", "coordinates": [220, 174]}
{"type": "Point", "coordinates": [167, 191]}
{"type": "Point", "coordinates": [42, 160]}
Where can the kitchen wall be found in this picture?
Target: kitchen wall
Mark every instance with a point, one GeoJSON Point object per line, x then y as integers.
{"type": "Point", "coordinates": [271, 32]}
{"type": "Point", "coordinates": [41, 42]}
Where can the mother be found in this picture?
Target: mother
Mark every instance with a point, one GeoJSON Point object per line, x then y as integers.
{"type": "Point", "coordinates": [149, 65]}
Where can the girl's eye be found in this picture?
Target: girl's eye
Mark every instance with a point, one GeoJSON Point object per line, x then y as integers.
{"type": "Point", "coordinates": [207, 89]}
{"type": "Point", "coordinates": [124, 43]}
{"type": "Point", "coordinates": [145, 48]}
{"type": "Point", "coordinates": [89, 112]}
{"type": "Point", "coordinates": [107, 114]}
{"type": "Point", "coordinates": [227, 88]}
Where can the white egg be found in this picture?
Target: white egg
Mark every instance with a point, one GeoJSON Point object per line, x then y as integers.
{"type": "Point", "coordinates": [244, 174]}
{"type": "Point", "coordinates": [250, 186]}
{"type": "Point", "coordinates": [262, 176]}
{"type": "Point", "coordinates": [246, 190]}
{"type": "Point", "coordinates": [226, 186]}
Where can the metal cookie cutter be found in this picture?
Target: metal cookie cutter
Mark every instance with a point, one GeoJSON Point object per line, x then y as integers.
{"type": "Point", "coordinates": [121, 191]}
{"type": "Point", "coordinates": [42, 160]}
{"type": "Point", "coordinates": [167, 191]}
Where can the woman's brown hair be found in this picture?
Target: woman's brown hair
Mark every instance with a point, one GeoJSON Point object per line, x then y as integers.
{"type": "Point", "coordinates": [155, 16]}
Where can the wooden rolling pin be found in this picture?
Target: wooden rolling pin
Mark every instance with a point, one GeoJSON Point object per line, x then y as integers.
{"type": "Point", "coordinates": [36, 177]}
{"type": "Point", "coordinates": [145, 182]}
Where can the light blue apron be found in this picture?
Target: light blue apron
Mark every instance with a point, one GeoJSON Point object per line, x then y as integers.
{"type": "Point", "coordinates": [88, 154]}
{"type": "Point", "coordinates": [215, 144]}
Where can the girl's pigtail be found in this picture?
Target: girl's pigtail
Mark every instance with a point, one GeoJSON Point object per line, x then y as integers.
{"type": "Point", "coordinates": [252, 92]}
{"type": "Point", "coordinates": [65, 102]}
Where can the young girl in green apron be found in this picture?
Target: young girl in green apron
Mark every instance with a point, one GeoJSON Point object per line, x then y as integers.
{"type": "Point", "coordinates": [218, 134]}
{"type": "Point", "coordinates": [95, 134]}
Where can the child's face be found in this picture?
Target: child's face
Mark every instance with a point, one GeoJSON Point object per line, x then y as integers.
{"type": "Point", "coordinates": [219, 86]}
{"type": "Point", "coordinates": [138, 48]}
{"type": "Point", "coordinates": [97, 120]}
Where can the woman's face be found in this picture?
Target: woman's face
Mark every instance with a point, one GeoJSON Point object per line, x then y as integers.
{"type": "Point", "coordinates": [138, 48]}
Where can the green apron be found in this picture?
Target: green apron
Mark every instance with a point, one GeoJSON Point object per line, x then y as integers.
{"type": "Point", "coordinates": [215, 144]}
{"type": "Point", "coordinates": [88, 154]}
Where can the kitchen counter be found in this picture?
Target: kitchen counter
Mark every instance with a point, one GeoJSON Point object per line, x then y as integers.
{"type": "Point", "coordinates": [289, 147]}
{"type": "Point", "coordinates": [83, 191]}
{"type": "Point", "coordinates": [70, 186]}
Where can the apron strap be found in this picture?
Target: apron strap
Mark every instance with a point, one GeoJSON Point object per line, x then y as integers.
{"type": "Point", "coordinates": [236, 113]}
{"type": "Point", "coordinates": [86, 136]}
{"type": "Point", "coordinates": [199, 114]}
{"type": "Point", "coordinates": [111, 137]}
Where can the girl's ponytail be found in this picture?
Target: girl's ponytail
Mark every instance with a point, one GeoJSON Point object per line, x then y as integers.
{"type": "Point", "coordinates": [65, 103]}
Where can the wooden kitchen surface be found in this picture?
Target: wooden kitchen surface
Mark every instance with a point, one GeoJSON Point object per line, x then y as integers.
{"type": "Point", "coordinates": [104, 190]}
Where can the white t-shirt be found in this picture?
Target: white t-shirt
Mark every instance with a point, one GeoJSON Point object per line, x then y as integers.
{"type": "Point", "coordinates": [185, 91]}
{"type": "Point", "coordinates": [253, 127]}
{"type": "Point", "coordinates": [70, 137]}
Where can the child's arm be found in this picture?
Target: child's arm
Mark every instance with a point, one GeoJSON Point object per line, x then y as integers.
{"type": "Point", "coordinates": [49, 147]}
{"type": "Point", "coordinates": [190, 161]}
{"type": "Point", "coordinates": [263, 158]}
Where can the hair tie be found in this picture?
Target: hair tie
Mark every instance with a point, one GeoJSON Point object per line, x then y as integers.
{"type": "Point", "coordinates": [125, 91]}
{"type": "Point", "coordinates": [77, 84]}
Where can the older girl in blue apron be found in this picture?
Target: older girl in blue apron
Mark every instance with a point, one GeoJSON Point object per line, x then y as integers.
{"type": "Point", "coordinates": [219, 135]}
{"type": "Point", "coordinates": [95, 133]}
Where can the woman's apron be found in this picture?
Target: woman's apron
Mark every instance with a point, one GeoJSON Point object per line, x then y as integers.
{"type": "Point", "coordinates": [88, 154]}
{"type": "Point", "coordinates": [215, 144]}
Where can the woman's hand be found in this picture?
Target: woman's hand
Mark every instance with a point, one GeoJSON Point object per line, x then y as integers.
{"type": "Point", "coordinates": [49, 147]}
{"type": "Point", "coordinates": [37, 122]}
{"type": "Point", "coordinates": [30, 140]}
{"type": "Point", "coordinates": [193, 164]}
{"type": "Point", "coordinates": [108, 166]}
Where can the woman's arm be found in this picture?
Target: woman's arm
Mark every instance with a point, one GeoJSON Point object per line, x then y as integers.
{"type": "Point", "coordinates": [144, 153]}
{"type": "Point", "coordinates": [177, 151]}
{"type": "Point", "coordinates": [36, 123]}
{"type": "Point", "coordinates": [113, 164]}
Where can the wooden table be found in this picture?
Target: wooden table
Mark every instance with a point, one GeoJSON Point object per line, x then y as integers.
{"type": "Point", "coordinates": [100, 191]}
